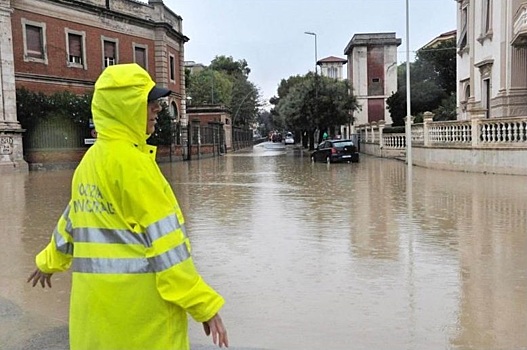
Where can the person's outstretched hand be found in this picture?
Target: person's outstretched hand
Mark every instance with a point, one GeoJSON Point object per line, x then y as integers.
{"type": "Point", "coordinates": [39, 276]}
{"type": "Point", "coordinates": [215, 327]}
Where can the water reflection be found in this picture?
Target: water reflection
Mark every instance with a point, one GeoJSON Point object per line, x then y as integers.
{"type": "Point", "coordinates": [317, 256]}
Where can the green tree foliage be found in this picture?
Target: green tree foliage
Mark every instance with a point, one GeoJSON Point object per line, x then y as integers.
{"type": "Point", "coordinates": [447, 108]}
{"type": "Point", "coordinates": [32, 107]}
{"type": "Point", "coordinates": [226, 82]}
{"type": "Point", "coordinates": [245, 102]}
{"type": "Point", "coordinates": [229, 66]}
{"type": "Point", "coordinates": [433, 81]}
{"type": "Point", "coordinates": [265, 122]}
{"type": "Point", "coordinates": [442, 61]}
{"type": "Point", "coordinates": [314, 102]}
{"type": "Point", "coordinates": [208, 87]}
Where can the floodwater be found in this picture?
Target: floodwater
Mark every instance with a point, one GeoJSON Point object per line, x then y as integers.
{"type": "Point", "coordinates": [371, 255]}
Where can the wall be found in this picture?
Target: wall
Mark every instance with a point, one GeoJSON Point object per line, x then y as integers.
{"type": "Point", "coordinates": [500, 161]}
{"type": "Point", "coordinates": [126, 22]}
{"type": "Point", "coordinates": [497, 145]}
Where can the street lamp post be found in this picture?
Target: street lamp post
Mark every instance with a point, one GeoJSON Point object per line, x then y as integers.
{"type": "Point", "coordinates": [316, 75]}
{"type": "Point", "coordinates": [316, 56]}
{"type": "Point", "coordinates": [234, 118]}
{"type": "Point", "coordinates": [408, 92]}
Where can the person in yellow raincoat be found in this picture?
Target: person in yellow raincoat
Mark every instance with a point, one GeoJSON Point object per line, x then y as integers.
{"type": "Point", "coordinates": [123, 234]}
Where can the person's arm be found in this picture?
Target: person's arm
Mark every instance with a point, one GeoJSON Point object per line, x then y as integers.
{"type": "Point", "coordinates": [149, 198]}
{"type": "Point", "coordinates": [215, 327]}
{"type": "Point", "coordinates": [40, 277]}
{"type": "Point", "coordinates": [57, 255]}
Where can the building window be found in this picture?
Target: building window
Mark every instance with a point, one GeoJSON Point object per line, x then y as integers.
{"type": "Point", "coordinates": [463, 35]}
{"type": "Point", "coordinates": [467, 92]}
{"type": "Point", "coordinates": [487, 16]}
{"type": "Point", "coordinates": [34, 43]}
{"type": "Point", "coordinates": [172, 62]}
{"type": "Point", "coordinates": [486, 97]}
{"type": "Point", "coordinates": [140, 56]}
{"type": "Point", "coordinates": [109, 52]}
{"type": "Point", "coordinates": [75, 49]}
{"type": "Point", "coordinates": [333, 72]}
{"type": "Point", "coordinates": [34, 36]}
{"type": "Point", "coordinates": [173, 111]}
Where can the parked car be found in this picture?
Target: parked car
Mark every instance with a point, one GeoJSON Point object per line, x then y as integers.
{"type": "Point", "coordinates": [276, 137]}
{"type": "Point", "coordinates": [331, 151]}
{"type": "Point", "coordinates": [289, 139]}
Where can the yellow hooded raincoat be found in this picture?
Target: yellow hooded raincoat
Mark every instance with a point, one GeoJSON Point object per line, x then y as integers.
{"type": "Point", "coordinates": [123, 234]}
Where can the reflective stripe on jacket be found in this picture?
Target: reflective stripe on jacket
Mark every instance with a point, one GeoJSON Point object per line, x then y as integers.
{"type": "Point", "coordinates": [123, 234]}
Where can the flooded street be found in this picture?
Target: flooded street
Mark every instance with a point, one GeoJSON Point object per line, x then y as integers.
{"type": "Point", "coordinates": [312, 256]}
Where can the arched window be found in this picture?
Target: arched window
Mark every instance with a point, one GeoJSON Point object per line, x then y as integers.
{"type": "Point", "coordinates": [467, 92]}
{"type": "Point", "coordinates": [174, 114]}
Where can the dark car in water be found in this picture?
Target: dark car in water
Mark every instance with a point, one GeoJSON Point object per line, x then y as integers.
{"type": "Point", "coordinates": [332, 151]}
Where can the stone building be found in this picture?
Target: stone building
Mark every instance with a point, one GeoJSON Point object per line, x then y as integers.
{"type": "Point", "coordinates": [52, 45]}
{"type": "Point", "coordinates": [491, 58]}
{"type": "Point", "coordinates": [372, 71]}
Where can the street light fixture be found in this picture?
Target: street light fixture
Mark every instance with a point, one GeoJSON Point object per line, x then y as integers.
{"type": "Point", "coordinates": [316, 59]}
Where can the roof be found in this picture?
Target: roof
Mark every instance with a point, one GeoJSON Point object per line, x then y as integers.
{"type": "Point", "coordinates": [440, 38]}
{"type": "Point", "coordinates": [332, 59]}
{"type": "Point", "coordinates": [371, 39]}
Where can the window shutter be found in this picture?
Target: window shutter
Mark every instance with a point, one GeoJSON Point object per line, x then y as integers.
{"type": "Point", "coordinates": [140, 57]}
{"type": "Point", "coordinates": [75, 45]}
{"type": "Point", "coordinates": [109, 49]}
{"type": "Point", "coordinates": [34, 41]}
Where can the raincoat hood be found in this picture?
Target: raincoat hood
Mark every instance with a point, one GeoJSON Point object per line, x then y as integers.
{"type": "Point", "coordinates": [119, 105]}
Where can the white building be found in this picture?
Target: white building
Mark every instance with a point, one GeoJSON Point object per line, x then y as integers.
{"type": "Point", "coordinates": [332, 67]}
{"type": "Point", "coordinates": [492, 58]}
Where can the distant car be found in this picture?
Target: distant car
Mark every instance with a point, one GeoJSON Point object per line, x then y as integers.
{"type": "Point", "coordinates": [276, 137]}
{"type": "Point", "coordinates": [289, 140]}
{"type": "Point", "coordinates": [332, 151]}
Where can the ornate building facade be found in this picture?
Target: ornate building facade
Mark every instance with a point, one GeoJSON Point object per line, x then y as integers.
{"type": "Point", "coordinates": [492, 58]}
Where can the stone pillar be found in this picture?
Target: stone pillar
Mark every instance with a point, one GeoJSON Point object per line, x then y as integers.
{"type": "Point", "coordinates": [428, 117]}
{"type": "Point", "coordinates": [11, 152]}
{"type": "Point", "coordinates": [373, 125]}
{"type": "Point", "coordinates": [475, 116]}
{"type": "Point", "coordinates": [382, 124]}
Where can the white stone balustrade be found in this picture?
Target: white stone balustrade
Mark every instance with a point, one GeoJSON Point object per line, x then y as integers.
{"type": "Point", "coordinates": [497, 145]}
{"type": "Point", "coordinates": [394, 141]}
{"type": "Point", "coordinates": [450, 133]}
{"type": "Point", "coordinates": [508, 132]}
{"type": "Point", "coordinates": [497, 132]}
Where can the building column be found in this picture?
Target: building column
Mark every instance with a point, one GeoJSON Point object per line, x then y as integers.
{"type": "Point", "coordinates": [11, 152]}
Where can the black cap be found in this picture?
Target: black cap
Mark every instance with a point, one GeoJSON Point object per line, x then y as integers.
{"type": "Point", "coordinates": [158, 92]}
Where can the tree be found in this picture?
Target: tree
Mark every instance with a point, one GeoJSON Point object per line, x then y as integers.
{"type": "Point", "coordinates": [229, 66]}
{"type": "Point", "coordinates": [226, 82]}
{"type": "Point", "coordinates": [208, 87]}
{"type": "Point", "coordinates": [312, 102]}
{"type": "Point", "coordinates": [433, 81]}
{"type": "Point", "coordinates": [442, 60]}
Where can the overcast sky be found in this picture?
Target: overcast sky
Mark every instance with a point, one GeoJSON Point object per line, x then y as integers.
{"type": "Point", "coordinates": [269, 34]}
